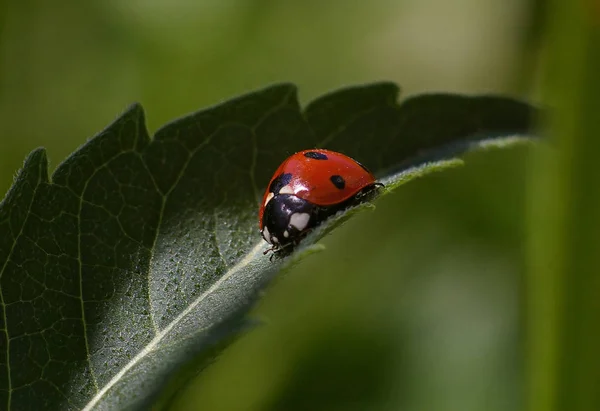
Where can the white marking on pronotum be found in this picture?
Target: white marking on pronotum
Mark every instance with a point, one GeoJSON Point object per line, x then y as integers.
{"type": "Point", "coordinates": [266, 235]}
{"type": "Point", "coordinates": [158, 337]}
{"type": "Point", "coordinates": [269, 197]}
{"type": "Point", "coordinates": [286, 234]}
{"type": "Point", "coordinates": [299, 220]}
{"type": "Point", "coordinates": [286, 190]}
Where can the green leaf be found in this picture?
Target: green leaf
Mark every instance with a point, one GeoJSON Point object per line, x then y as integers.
{"type": "Point", "coordinates": [141, 255]}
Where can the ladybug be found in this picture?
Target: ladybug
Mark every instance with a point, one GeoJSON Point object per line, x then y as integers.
{"type": "Point", "coordinates": [308, 187]}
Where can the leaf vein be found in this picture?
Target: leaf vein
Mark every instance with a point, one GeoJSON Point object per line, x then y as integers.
{"type": "Point", "coordinates": [150, 347]}
{"type": "Point", "coordinates": [2, 301]}
{"type": "Point", "coordinates": [332, 135]}
{"type": "Point", "coordinates": [80, 264]}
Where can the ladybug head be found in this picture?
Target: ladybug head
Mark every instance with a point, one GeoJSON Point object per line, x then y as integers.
{"type": "Point", "coordinates": [286, 218]}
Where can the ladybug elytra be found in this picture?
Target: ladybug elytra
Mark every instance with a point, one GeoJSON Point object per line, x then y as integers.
{"type": "Point", "coordinates": [308, 187]}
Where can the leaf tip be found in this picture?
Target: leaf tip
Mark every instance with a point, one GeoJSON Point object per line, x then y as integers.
{"type": "Point", "coordinates": [136, 111]}
{"type": "Point", "coordinates": [36, 162]}
{"type": "Point", "coordinates": [34, 170]}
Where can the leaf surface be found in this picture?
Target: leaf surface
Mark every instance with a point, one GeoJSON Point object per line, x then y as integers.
{"type": "Point", "coordinates": [141, 254]}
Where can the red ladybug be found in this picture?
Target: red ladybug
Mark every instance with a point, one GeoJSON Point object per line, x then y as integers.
{"type": "Point", "coordinates": [307, 188]}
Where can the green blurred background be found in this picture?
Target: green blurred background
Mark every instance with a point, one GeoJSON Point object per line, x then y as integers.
{"type": "Point", "coordinates": [415, 306]}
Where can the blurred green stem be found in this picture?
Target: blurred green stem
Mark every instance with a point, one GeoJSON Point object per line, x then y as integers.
{"type": "Point", "coordinates": [564, 253]}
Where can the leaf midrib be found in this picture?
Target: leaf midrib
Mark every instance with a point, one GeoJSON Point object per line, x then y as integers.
{"type": "Point", "coordinates": [159, 335]}
{"type": "Point", "coordinates": [148, 348]}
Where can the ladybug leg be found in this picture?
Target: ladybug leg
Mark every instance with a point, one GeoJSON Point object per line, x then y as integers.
{"type": "Point", "coordinates": [285, 250]}
{"type": "Point", "coordinates": [270, 249]}
{"type": "Point", "coordinates": [367, 193]}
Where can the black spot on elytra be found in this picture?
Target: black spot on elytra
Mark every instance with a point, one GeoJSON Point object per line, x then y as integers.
{"type": "Point", "coordinates": [338, 181]}
{"type": "Point", "coordinates": [280, 181]}
{"type": "Point", "coordinates": [315, 155]}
